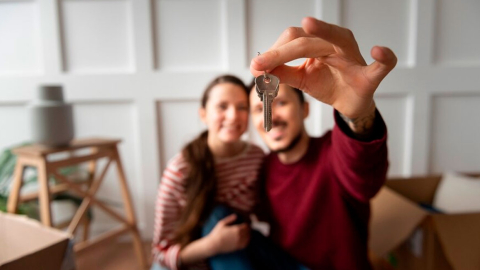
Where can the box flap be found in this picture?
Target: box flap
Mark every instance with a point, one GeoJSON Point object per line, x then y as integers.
{"type": "Point", "coordinates": [417, 189]}
{"type": "Point", "coordinates": [25, 237]}
{"type": "Point", "coordinates": [460, 238]}
{"type": "Point", "coordinates": [50, 258]}
{"type": "Point", "coordinates": [393, 219]}
{"type": "Point", "coordinates": [454, 186]}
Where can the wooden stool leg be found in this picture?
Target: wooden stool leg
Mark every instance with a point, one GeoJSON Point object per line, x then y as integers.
{"type": "Point", "coordinates": [44, 194]}
{"type": "Point", "coordinates": [127, 201]}
{"type": "Point", "coordinates": [92, 167]}
{"type": "Point", "coordinates": [86, 227]}
{"type": "Point", "coordinates": [17, 183]}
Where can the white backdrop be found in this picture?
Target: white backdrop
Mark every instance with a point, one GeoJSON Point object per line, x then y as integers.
{"type": "Point", "coordinates": [135, 69]}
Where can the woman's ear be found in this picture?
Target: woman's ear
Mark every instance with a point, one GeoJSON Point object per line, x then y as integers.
{"type": "Point", "coordinates": [202, 113]}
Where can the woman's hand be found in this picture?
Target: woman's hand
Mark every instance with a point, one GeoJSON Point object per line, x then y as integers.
{"type": "Point", "coordinates": [225, 238]}
{"type": "Point", "coordinates": [334, 73]}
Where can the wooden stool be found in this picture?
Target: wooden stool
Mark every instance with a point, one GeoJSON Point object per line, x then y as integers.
{"type": "Point", "coordinates": [37, 156]}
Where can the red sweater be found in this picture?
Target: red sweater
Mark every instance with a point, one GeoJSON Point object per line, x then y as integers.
{"type": "Point", "coordinates": [319, 206]}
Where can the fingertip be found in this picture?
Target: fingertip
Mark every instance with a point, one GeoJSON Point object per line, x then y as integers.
{"type": "Point", "coordinates": [308, 24]}
{"type": "Point", "coordinates": [254, 69]}
{"type": "Point", "coordinates": [315, 27]}
{"type": "Point", "coordinates": [308, 20]}
{"type": "Point", "coordinates": [383, 55]}
{"type": "Point", "coordinates": [230, 218]}
{"type": "Point", "coordinates": [377, 53]}
{"type": "Point", "coordinates": [385, 61]}
{"type": "Point", "coordinates": [254, 64]}
{"type": "Point", "coordinates": [263, 62]}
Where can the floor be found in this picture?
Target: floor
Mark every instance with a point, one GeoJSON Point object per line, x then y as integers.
{"type": "Point", "coordinates": [121, 256]}
{"type": "Point", "coordinates": [117, 256]}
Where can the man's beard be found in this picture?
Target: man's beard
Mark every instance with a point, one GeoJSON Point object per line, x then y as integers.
{"type": "Point", "coordinates": [292, 144]}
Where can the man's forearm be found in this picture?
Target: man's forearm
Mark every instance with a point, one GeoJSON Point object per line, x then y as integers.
{"type": "Point", "coordinates": [361, 126]}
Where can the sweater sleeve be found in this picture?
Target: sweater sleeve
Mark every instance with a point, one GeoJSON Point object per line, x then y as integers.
{"type": "Point", "coordinates": [360, 166]}
{"type": "Point", "coordinates": [170, 199]}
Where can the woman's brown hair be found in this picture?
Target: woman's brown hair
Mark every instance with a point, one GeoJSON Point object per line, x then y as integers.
{"type": "Point", "coordinates": [200, 182]}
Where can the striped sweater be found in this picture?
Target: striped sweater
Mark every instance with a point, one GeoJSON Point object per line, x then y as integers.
{"type": "Point", "coordinates": [236, 187]}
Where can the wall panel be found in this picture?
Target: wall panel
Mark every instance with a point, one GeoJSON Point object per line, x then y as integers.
{"type": "Point", "coordinates": [103, 42]}
{"type": "Point", "coordinates": [387, 25]}
{"type": "Point", "coordinates": [15, 125]}
{"type": "Point", "coordinates": [189, 34]}
{"type": "Point", "coordinates": [179, 123]}
{"type": "Point", "coordinates": [455, 134]}
{"type": "Point", "coordinates": [20, 50]}
{"type": "Point", "coordinates": [394, 112]}
{"type": "Point", "coordinates": [457, 33]}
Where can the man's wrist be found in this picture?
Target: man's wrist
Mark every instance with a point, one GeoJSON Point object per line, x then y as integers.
{"type": "Point", "coordinates": [361, 126]}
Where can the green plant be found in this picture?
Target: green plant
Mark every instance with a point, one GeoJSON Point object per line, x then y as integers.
{"type": "Point", "coordinates": [7, 167]}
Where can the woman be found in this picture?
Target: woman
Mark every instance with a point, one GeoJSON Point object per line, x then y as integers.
{"type": "Point", "coordinates": [213, 176]}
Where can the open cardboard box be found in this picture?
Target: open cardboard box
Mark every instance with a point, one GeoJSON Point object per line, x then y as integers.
{"type": "Point", "coordinates": [419, 239]}
{"type": "Point", "coordinates": [26, 244]}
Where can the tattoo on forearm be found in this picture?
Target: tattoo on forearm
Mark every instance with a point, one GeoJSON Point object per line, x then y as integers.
{"type": "Point", "coordinates": [361, 126]}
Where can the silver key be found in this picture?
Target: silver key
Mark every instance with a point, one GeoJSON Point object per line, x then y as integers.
{"type": "Point", "coordinates": [266, 86]}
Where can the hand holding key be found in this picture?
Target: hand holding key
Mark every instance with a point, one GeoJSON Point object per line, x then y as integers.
{"type": "Point", "coordinates": [334, 73]}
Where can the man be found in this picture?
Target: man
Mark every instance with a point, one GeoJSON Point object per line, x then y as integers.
{"type": "Point", "coordinates": [317, 190]}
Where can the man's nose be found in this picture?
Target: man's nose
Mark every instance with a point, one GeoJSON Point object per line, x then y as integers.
{"type": "Point", "coordinates": [275, 115]}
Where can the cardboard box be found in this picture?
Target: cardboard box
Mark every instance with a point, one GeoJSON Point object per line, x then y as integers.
{"type": "Point", "coordinates": [26, 244]}
{"type": "Point", "coordinates": [415, 238]}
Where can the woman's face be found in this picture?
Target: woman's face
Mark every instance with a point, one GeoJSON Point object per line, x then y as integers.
{"type": "Point", "coordinates": [226, 112]}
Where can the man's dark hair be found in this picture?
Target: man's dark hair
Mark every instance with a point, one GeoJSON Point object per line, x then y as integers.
{"type": "Point", "coordinates": [297, 91]}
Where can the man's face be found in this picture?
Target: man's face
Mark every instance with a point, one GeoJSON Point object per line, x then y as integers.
{"type": "Point", "coordinates": [287, 118]}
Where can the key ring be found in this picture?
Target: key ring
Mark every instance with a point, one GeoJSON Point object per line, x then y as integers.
{"type": "Point", "coordinates": [266, 79]}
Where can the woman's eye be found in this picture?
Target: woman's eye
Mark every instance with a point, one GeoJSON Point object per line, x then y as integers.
{"type": "Point", "coordinates": [222, 106]}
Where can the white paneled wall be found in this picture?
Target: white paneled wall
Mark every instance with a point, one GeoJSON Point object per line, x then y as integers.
{"type": "Point", "coordinates": [179, 123]}
{"type": "Point", "coordinates": [97, 36]}
{"type": "Point", "coordinates": [392, 108]}
{"type": "Point", "coordinates": [135, 70]}
{"type": "Point", "coordinates": [189, 35]}
{"type": "Point", "coordinates": [455, 133]}
{"type": "Point", "coordinates": [23, 56]}
{"type": "Point", "coordinates": [457, 26]}
{"type": "Point", "coordinates": [12, 117]}
{"type": "Point", "coordinates": [387, 24]}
